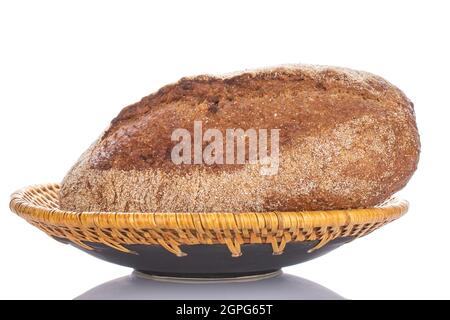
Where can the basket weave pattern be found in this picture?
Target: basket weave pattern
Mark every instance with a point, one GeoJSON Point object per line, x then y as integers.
{"type": "Point", "coordinates": [39, 205]}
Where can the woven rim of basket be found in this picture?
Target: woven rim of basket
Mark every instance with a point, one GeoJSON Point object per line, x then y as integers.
{"type": "Point", "coordinates": [39, 205]}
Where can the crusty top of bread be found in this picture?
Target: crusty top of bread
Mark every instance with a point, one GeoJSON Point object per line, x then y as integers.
{"type": "Point", "coordinates": [135, 139]}
{"type": "Point", "coordinates": [348, 139]}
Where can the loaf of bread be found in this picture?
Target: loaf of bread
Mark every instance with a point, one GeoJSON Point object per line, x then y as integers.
{"type": "Point", "coordinates": [345, 139]}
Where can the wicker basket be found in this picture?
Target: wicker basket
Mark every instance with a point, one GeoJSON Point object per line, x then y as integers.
{"type": "Point", "coordinates": [39, 205]}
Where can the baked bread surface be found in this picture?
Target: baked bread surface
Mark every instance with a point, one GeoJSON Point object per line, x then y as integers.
{"type": "Point", "coordinates": [347, 139]}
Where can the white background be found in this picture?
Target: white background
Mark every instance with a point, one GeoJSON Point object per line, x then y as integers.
{"type": "Point", "coordinates": [68, 67]}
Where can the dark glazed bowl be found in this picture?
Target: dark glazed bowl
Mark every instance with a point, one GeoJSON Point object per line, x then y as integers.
{"type": "Point", "coordinates": [201, 244]}
{"type": "Point", "coordinates": [214, 260]}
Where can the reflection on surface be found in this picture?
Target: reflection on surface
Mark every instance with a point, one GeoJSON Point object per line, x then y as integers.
{"type": "Point", "coordinates": [272, 286]}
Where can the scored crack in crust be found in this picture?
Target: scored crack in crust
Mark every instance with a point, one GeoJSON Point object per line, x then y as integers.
{"type": "Point", "coordinates": [348, 139]}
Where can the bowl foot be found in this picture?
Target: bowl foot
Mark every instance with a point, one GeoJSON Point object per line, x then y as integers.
{"type": "Point", "coordinates": [218, 277]}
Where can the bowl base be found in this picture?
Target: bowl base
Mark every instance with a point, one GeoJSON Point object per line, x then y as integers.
{"type": "Point", "coordinates": [210, 277]}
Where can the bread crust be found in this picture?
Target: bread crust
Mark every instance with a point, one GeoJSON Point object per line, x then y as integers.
{"type": "Point", "coordinates": [348, 139]}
